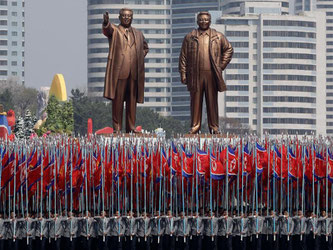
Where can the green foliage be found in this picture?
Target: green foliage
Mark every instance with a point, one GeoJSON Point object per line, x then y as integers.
{"type": "Point", "coordinates": [59, 117]}
{"type": "Point", "coordinates": [29, 123]}
{"type": "Point", "coordinates": [19, 128]}
{"type": "Point", "coordinates": [85, 108]}
{"type": "Point", "coordinates": [101, 115]}
{"type": "Point", "coordinates": [18, 97]}
{"type": "Point", "coordinates": [6, 99]}
{"type": "Point", "coordinates": [150, 120]}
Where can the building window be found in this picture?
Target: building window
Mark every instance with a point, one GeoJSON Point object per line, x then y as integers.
{"type": "Point", "coordinates": [14, 24]}
{"type": "Point", "coordinates": [14, 33]}
{"type": "Point", "coordinates": [14, 13]}
{"type": "Point", "coordinates": [14, 43]}
{"type": "Point", "coordinates": [14, 63]}
{"type": "Point", "coordinates": [14, 3]}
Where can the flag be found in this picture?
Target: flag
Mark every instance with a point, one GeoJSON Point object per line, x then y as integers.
{"type": "Point", "coordinates": [262, 158]}
{"type": "Point", "coordinates": [175, 167]}
{"type": "Point", "coordinates": [320, 166]}
{"type": "Point", "coordinates": [232, 162]}
{"type": "Point", "coordinates": [202, 162]}
{"type": "Point", "coordinates": [187, 163]}
{"type": "Point", "coordinates": [330, 167]}
{"type": "Point", "coordinates": [292, 165]}
{"type": "Point", "coordinates": [308, 166]}
{"type": "Point", "coordinates": [247, 169]}
{"type": "Point", "coordinates": [7, 169]}
{"type": "Point", "coordinates": [217, 169]}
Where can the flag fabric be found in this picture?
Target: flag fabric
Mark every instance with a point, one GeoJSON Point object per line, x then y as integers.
{"type": "Point", "coordinates": [217, 171]}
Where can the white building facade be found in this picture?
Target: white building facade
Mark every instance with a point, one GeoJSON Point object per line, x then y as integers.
{"type": "Point", "coordinates": [276, 79]}
{"type": "Point", "coordinates": [327, 8]}
{"type": "Point", "coordinates": [12, 41]}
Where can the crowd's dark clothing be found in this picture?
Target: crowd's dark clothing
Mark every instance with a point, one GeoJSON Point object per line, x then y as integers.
{"type": "Point", "coordinates": [253, 232]}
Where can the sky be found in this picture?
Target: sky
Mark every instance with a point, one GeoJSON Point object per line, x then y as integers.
{"type": "Point", "coordinates": [56, 42]}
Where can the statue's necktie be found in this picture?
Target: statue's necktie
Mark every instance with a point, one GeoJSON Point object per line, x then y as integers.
{"type": "Point", "coordinates": [128, 35]}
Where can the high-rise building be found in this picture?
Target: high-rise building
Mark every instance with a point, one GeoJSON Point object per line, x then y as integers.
{"type": "Point", "coordinates": [327, 8]}
{"type": "Point", "coordinates": [233, 7]}
{"type": "Point", "coordinates": [12, 40]}
{"type": "Point", "coordinates": [276, 79]}
{"type": "Point", "coordinates": [153, 18]}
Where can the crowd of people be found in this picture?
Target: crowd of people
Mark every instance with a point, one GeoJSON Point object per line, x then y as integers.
{"type": "Point", "coordinates": [257, 229]}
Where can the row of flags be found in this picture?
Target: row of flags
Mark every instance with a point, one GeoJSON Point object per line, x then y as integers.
{"type": "Point", "coordinates": [154, 173]}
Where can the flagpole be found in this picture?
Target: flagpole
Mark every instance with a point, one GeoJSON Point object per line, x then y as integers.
{"type": "Point", "coordinates": [71, 180]}
{"type": "Point", "coordinates": [288, 207]}
{"type": "Point", "coordinates": [182, 187]}
{"type": "Point", "coordinates": [268, 176]}
{"type": "Point", "coordinates": [256, 188]}
{"type": "Point", "coordinates": [66, 166]}
{"type": "Point", "coordinates": [86, 146]}
{"type": "Point", "coordinates": [326, 182]}
{"type": "Point", "coordinates": [274, 193]}
{"type": "Point", "coordinates": [242, 199]}
{"type": "Point", "coordinates": [210, 191]}
{"type": "Point", "coordinates": [1, 154]}
{"type": "Point", "coordinates": [227, 181]}
{"type": "Point", "coordinates": [303, 170]}
{"type": "Point", "coordinates": [326, 188]}
{"type": "Point", "coordinates": [137, 179]}
{"type": "Point", "coordinates": [14, 190]}
{"type": "Point", "coordinates": [281, 179]}
{"type": "Point", "coordinates": [313, 186]}
{"type": "Point", "coordinates": [239, 148]}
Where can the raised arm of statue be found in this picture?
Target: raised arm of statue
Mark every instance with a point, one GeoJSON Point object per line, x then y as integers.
{"type": "Point", "coordinates": [107, 27]}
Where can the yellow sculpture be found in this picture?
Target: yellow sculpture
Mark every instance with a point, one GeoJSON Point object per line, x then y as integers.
{"type": "Point", "coordinates": [58, 88]}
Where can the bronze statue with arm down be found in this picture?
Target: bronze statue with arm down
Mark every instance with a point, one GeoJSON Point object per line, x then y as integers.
{"type": "Point", "coordinates": [204, 55]}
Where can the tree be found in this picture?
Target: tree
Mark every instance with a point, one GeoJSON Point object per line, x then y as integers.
{"type": "Point", "coordinates": [29, 123]}
{"type": "Point", "coordinates": [85, 108]}
{"type": "Point", "coordinates": [150, 120]}
{"type": "Point", "coordinates": [233, 126]}
{"type": "Point", "coordinates": [59, 117]}
{"type": "Point", "coordinates": [19, 128]}
{"type": "Point", "coordinates": [18, 97]}
{"type": "Point", "coordinates": [7, 99]}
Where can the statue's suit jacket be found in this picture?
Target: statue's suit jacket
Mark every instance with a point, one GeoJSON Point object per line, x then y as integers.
{"type": "Point", "coordinates": [117, 45]}
{"type": "Point", "coordinates": [220, 54]}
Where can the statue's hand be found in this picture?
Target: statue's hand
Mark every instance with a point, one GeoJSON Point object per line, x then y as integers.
{"type": "Point", "coordinates": [106, 18]}
{"type": "Point", "coordinates": [183, 78]}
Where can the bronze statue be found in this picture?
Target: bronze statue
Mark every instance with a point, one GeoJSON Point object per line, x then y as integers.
{"type": "Point", "coordinates": [125, 74]}
{"type": "Point", "coordinates": [204, 55]}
